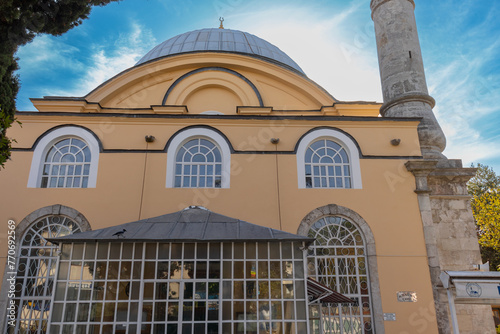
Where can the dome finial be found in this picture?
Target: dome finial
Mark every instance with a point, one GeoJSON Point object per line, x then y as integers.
{"type": "Point", "coordinates": [221, 19]}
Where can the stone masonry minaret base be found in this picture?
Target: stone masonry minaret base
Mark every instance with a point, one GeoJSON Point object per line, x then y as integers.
{"type": "Point", "coordinates": [441, 184]}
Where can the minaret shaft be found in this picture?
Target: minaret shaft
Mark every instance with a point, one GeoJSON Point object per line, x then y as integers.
{"type": "Point", "coordinates": [402, 71]}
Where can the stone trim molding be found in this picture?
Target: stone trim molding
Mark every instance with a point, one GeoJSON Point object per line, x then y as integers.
{"type": "Point", "coordinates": [196, 84]}
{"type": "Point", "coordinates": [56, 209]}
{"type": "Point", "coordinates": [407, 98]}
{"type": "Point", "coordinates": [337, 210]}
{"type": "Point", "coordinates": [374, 5]}
{"type": "Point", "coordinates": [421, 170]}
{"type": "Point", "coordinates": [451, 197]}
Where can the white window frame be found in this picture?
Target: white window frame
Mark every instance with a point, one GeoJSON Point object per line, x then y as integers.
{"type": "Point", "coordinates": [338, 137]}
{"type": "Point", "coordinates": [49, 139]}
{"type": "Point", "coordinates": [193, 133]}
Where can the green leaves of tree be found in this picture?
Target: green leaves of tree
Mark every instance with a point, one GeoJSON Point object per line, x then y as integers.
{"type": "Point", "coordinates": [486, 209]}
{"type": "Point", "coordinates": [20, 22]}
{"type": "Point", "coordinates": [485, 180]}
{"type": "Point", "coordinates": [485, 189]}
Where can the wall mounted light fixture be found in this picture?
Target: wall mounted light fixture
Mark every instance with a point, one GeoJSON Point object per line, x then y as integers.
{"type": "Point", "coordinates": [395, 142]}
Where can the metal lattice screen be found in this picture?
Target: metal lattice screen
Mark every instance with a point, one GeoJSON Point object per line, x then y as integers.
{"type": "Point", "coordinates": [36, 272]}
{"type": "Point", "coordinates": [338, 260]}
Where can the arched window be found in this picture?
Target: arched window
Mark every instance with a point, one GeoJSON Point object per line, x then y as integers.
{"type": "Point", "coordinates": [36, 271]}
{"type": "Point", "coordinates": [338, 260]}
{"type": "Point", "coordinates": [65, 157]}
{"type": "Point", "coordinates": [198, 164]}
{"type": "Point", "coordinates": [67, 165]}
{"type": "Point", "coordinates": [328, 158]}
{"type": "Point", "coordinates": [198, 157]}
{"type": "Point", "coordinates": [327, 165]}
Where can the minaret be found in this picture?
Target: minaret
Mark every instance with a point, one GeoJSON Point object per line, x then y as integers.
{"type": "Point", "coordinates": [402, 72]}
{"type": "Point", "coordinates": [441, 184]}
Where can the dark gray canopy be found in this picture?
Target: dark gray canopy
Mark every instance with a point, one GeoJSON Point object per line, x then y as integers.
{"type": "Point", "coordinates": [191, 224]}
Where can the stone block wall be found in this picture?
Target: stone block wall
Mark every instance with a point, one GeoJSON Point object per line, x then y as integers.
{"type": "Point", "coordinates": [456, 244]}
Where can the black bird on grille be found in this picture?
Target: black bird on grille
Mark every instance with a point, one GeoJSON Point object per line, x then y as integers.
{"type": "Point", "coordinates": [120, 233]}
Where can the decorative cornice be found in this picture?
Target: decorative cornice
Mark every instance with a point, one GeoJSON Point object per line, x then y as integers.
{"type": "Point", "coordinates": [451, 197]}
{"type": "Point", "coordinates": [147, 113]}
{"type": "Point", "coordinates": [421, 167]}
{"type": "Point", "coordinates": [352, 109]}
{"type": "Point", "coordinates": [413, 97]}
{"type": "Point", "coordinates": [65, 104]}
{"type": "Point", "coordinates": [165, 109]}
{"type": "Point", "coordinates": [421, 170]}
{"type": "Point", "coordinates": [249, 110]}
{"type": "Point", "coordinates": [455, 172]}
{"type": "Point", "coordinates": [374, 6]}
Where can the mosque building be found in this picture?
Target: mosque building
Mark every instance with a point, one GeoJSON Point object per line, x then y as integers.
{"type": "Point", "coordinates": [214, 188]}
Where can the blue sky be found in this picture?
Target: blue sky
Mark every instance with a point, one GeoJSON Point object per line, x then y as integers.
{"type": "Point", "coordinates": [332, 40]}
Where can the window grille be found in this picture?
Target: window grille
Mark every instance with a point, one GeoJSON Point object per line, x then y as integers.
{"type": "Point", "coordinates": [67, 165]}
{"type": "Point", "coordinates": [198, 164]}
{"type": "Point", "coordinates": [327, 165]}
{"type": "Point", "coordinates": [37, 261]}
{"type": "Point", "coordinates": [338, 260]}
{"type": "Point", "coordinates": [228, 287]}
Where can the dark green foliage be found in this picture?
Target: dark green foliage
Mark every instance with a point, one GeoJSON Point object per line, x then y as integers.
{"type": "Point", "coordinates": [492, 255]}
{"type": "Point", "coordinates": [485, 180]}
{"type": "Point", "coordinates": [20, 22]}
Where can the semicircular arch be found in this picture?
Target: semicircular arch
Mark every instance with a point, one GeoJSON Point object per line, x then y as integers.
{"type": "Point", "coordinates": [36, 261]}
{"type": "Point", "coordinates": [145, 85]}
{"type": "Point", "coordinates": [197, 79]}
{"type": "Point", "coordinates": [369, 243]}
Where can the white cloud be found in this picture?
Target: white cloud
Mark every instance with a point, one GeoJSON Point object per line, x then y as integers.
{"type": "Point", "coordinates": [339, 53]}
{"type": "Point", "coordinates": [463, 77]}
{"type": "Point", "coordinates": [106, 61]}
{"type": "Point", "coordinates": [336, 51]}
{"type": "Point", "coordinates": [339, 58]}
{"type": "Point", "coordinates": [46, 53]}
{"type": "Point", "coordinates": [473, 151]}
{"type": "Point", "coordinates": [466, 103]}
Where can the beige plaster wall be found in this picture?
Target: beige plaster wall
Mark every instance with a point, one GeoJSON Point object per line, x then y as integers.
{"type": "Point", "coordinates": [387, 201]}
{"type": "Point", "coordinates": [117, 132]}
{"type": "Point", "coordinates": [147, 84]}
{"type": "Point", "coordinates": [263, 190]}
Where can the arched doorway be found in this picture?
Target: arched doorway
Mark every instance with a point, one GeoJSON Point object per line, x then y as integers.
{"type": "Point", "coordinates": [337, 259]}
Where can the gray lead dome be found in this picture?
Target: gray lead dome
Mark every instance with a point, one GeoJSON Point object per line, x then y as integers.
{"type": "Point", "coordinates": [221, 40]}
